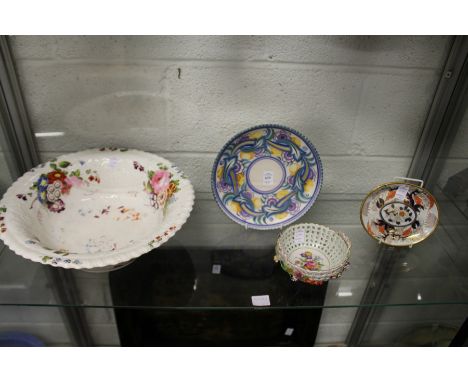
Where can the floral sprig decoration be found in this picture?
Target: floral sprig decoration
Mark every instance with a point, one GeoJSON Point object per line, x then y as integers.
{"type": "Point", "coordinates": [161, 184]}
{"type": "Point", "coordinates": [51, 186]}
{"type": "Point", "coordinates": [310, 262]}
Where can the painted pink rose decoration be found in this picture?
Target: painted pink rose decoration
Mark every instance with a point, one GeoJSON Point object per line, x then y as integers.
{"type": "Point", "coordinates": [74, 181]}
{"type": "Point", "coordinates": [160, 181]}
{"type": "Point", "coordinates": [160, 184]}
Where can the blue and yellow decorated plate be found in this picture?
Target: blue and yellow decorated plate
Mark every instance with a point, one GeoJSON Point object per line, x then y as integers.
{"type": "Point", "coordinates": [267, 177]}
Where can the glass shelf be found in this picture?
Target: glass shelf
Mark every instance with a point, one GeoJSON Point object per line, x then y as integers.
{"type": "Point", "coordinates": [180, 274]}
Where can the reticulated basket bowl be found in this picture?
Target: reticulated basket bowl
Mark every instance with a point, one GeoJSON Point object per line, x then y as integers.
{"type": "Point", "coordinates": [96, 208]}
{"type": "Point", "coordinates": [313, 253]}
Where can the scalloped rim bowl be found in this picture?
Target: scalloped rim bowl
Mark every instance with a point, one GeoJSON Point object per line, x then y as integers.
{"type": "Point", "coordinates": [96, 208]}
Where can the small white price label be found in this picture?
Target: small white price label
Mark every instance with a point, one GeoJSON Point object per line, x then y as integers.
{"type": "Point", "coordinates": [401, 192]}
{"type": "Point", "coordinates": [289, 332]}
{"type": "Point", "coordinates": [299, 236]}
{"type": "Point", "coordinates": [216, 269]}
{"type": "Point", "coordinates": [261, 300]}
{"type": "Point", "coordinates": [267, 178]}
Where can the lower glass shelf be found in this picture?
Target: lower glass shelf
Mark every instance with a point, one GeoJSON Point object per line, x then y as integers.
{"type": "Point", "coordinates": [214, 264]}
{"type": "Point", "coordinates": [175, 278]}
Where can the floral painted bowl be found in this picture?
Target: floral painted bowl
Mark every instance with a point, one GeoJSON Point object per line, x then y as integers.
{"type": "Point", "coordinates": [399, 214]}
{"type": "Point", "coordinates": [313, 253]}
{"type": "Point", "coordinates": [97, 208]}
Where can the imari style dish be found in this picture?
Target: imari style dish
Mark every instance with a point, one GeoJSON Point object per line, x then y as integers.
{"type": "Point", "coordinates": [399, 214]}
{"type": "Point", "coordinates": [267, 177]}
{"type": "Point", "coordinates": [313, 253]}
{"type": "Point", "coordinates": [95, 208]}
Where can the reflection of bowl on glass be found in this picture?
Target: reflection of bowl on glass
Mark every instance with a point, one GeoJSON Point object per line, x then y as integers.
{"type": "Point", "coordinates": [95, 209]}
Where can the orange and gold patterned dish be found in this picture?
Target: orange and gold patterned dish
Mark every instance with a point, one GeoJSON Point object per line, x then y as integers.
{"type": "Point", "coordinates": [399, 214]}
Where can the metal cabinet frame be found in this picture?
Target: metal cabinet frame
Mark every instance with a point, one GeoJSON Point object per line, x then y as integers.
{"type": "Point", "coordinates": [21, 155]}
{"type": "Point", "coordinates": [440, 127]}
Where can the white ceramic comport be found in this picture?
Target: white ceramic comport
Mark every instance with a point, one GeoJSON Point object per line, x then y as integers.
{"type": "Point", "coordinates": [96, 208]}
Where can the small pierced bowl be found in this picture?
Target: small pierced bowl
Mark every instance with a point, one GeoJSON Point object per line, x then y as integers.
{"type": "Point", "coordinates": [313, 253]}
